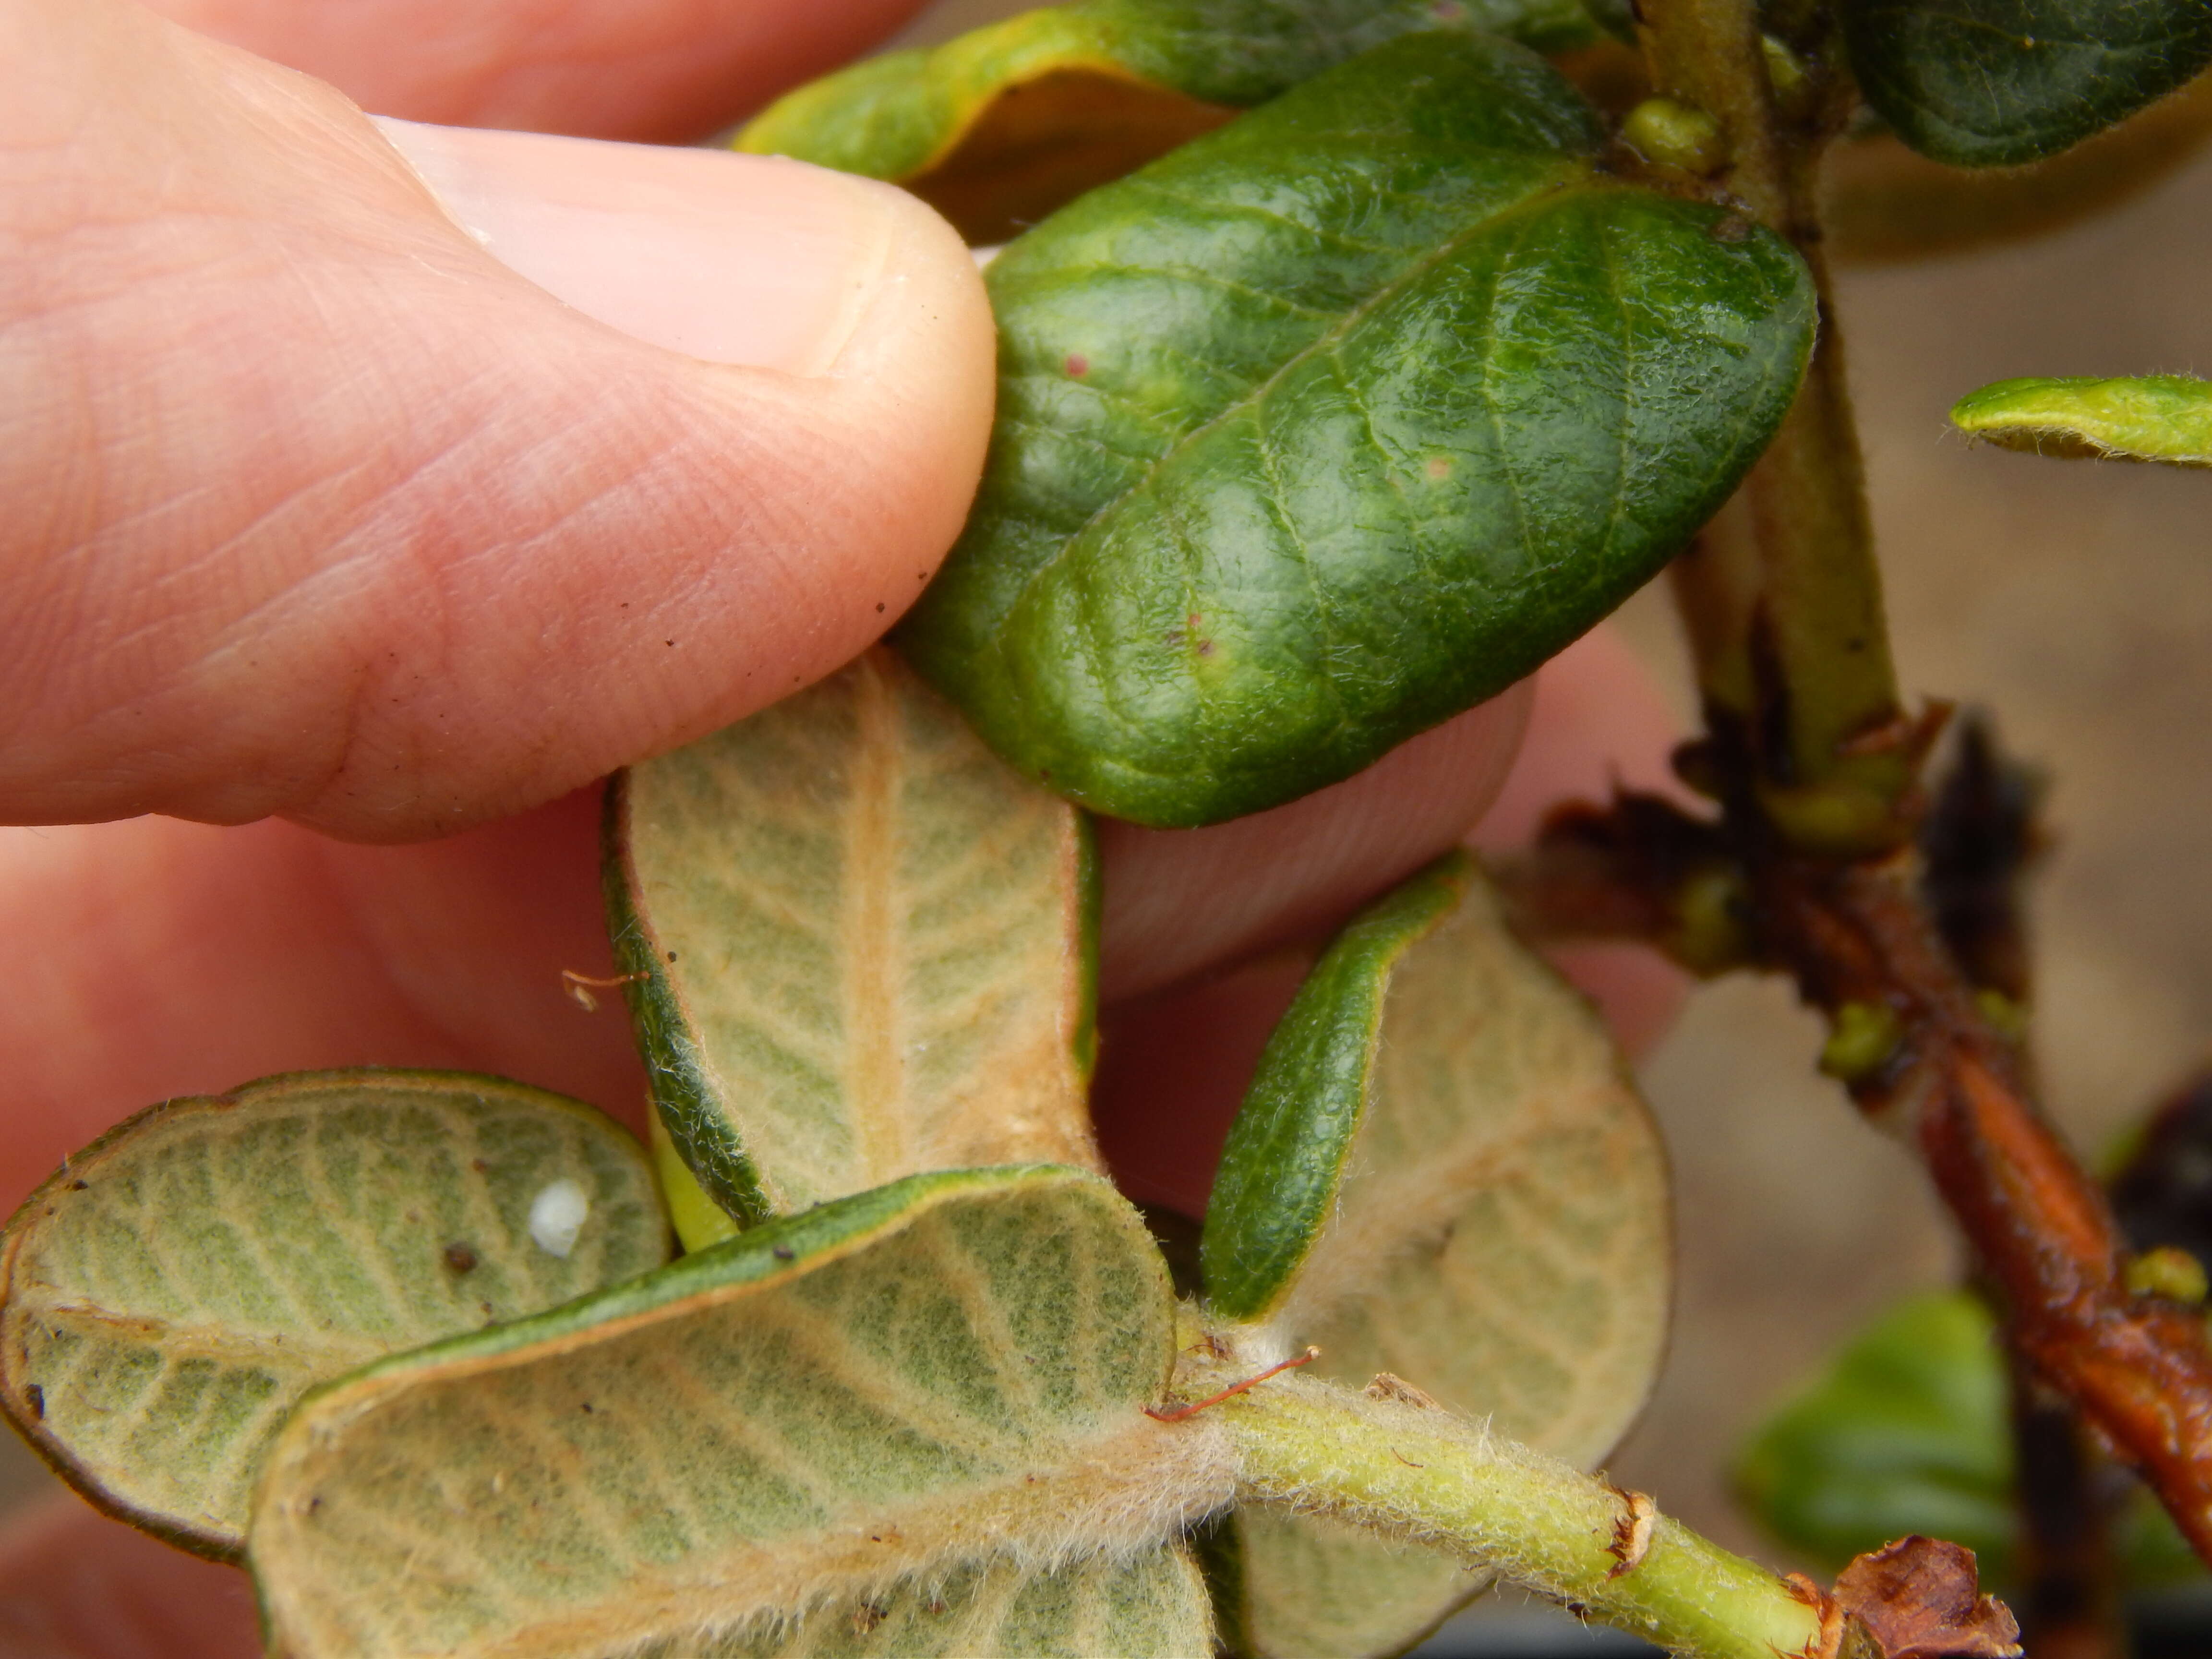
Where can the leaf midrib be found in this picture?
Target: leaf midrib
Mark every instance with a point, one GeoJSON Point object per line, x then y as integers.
{"type": "Point", "coordinates": [1328, 340]}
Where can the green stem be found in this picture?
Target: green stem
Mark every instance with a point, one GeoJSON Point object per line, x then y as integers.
{"type": "Point", "coordinates": [1782, 597]}
{"type": "Point", "coordinates": [1420, 1473]}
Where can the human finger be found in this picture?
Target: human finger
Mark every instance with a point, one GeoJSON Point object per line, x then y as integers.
{"type": "Point", "coordinates": [76, 1585]}
{"type": "Point", "coordinates": [323, 504]}
{"type": "Point", "coordinates": [654, 69]}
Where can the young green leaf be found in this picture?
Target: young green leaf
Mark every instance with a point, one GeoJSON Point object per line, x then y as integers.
{"type": "Point", "coordinates": [1908, 1431]}
{"type": "Point", "coordinates": [182, 1282]}
{"type": "Point", "coordinates": [2155, 417]}
{"type": "Point", "coordinates": [838, 1415]}
{"type": "Point", "coordinates": [1336, 421]}
{"type": "Point", "coordinates": [1441, 1172]}
{"type": "Point", "coordinates": [1987, 84]}
{"type": "Point", "coordinates": [1002, 126]}
{"type": "Point", "coordinates": [864, 947]}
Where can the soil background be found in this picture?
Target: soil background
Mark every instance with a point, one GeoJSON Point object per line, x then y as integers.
{"type": "Point", "coordinates": [2073, 600]}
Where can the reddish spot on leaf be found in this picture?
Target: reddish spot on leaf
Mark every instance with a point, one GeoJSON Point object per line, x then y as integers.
{"type": "Point", "coordinates": [1077, 364]}
{"type": "Point", "coordinates": [1920, 1598]}
{"type": "Point", "coordinates": [1450, 11]}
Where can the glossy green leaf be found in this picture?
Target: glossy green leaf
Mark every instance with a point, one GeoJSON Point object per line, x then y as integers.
{"type": "Point", "coordinates": [1338, 421]}
{"type": "Point", "coordinates": [1998, 82]}
{"type": "Point", "coordinates": [896, 1410]}
{"type": "Point", "coordinates": [1441, 1172]}
{"type": "Point", "coordinates": [1002, 126]}
{"type": "Point", "coordinates": [864, 947]}
{"type": "Point", "coordinates": [2156, 418]}
{"type": "Point", "coordinates": [183, 1280]}
{"type": "Point", "coordinates": [1908, 1431]}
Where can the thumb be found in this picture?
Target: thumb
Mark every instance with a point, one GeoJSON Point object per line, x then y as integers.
{"type": "Point", "coordinates": [397, 480]}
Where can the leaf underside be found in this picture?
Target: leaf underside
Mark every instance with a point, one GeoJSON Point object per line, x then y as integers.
{"type": "Point", "coordinates": [184, 1280]}
{"type": "Point", "coordinates": [1337, 421]}
{"type": "Point", "coordinates": [1441, 1172]}
{"type": "Point", "coordinates": [2000, 82]}
{"type": "Point", "coordinates": [899, 1410]}
{"type": "Point", "coordinates": [866, 947]}
{"type": "Point", "coordinates": [2154, 418]}
{"type": "Point", "coordinates": [1007, 124]}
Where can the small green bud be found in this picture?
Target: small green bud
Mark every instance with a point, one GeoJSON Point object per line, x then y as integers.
{"type": "Point", "coordinates": [2010, 1018]}
{"type": "Point", "coordinates": [1785, 72]}
{"type": "Point", "coordinates": [2168, 1271]}
{"type": "Point", "coordinates": [1709, 936]}
{"type": "Point", "coordinates": [1671, 134]}
{"type": "Point", "coordinates": [1865, 1036]}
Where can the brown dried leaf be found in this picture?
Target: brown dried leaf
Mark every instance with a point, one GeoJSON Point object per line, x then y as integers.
{"type": "Point", "coordinates": [1920, 1598]}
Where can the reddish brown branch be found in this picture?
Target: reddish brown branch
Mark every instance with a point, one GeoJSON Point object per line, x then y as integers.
{"type": "Point", "coordinates": [2139, 1367]}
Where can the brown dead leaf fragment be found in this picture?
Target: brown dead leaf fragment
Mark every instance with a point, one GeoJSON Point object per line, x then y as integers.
{"type": "Point", "coordinates": [1920, 1598]}
{"type": "Point", "coordinates": [1388, 1387]}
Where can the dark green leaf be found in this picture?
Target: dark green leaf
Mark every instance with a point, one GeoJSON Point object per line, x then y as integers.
{"type": "Point", "coordinates": [1907, 1432]}
{"type": "Point", "coordinates": [1336, 421]}
{"type": "Point", "coordinates": [1000, 127]}
{"type": "Point", "coordinates": [1998, 82]}
{"type": "Point", "coordinates": [188, 1276]}
{"type": "Point", "coordinates": [915, 1411]}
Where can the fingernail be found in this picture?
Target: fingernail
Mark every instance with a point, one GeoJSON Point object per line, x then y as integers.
{"type": "Point", "coordinates": [730, 258]}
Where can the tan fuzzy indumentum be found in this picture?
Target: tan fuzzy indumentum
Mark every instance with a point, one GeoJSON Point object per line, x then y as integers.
{"type": "Point", "coordinates": [169, 1296]}
{"type": "Point", "coordinates": [863, 944]}
{"type": "Point", "coordinates": [950, 1396]}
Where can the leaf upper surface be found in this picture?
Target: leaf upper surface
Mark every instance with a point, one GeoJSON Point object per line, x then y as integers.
{"type": "Point", "coordinates": [1335, 421]}
{"type": "Point", "coordinates": [184, 1280]}
{"type": "Point", "coordinates": [1998, 82]}
{"type": "Point", "coordinates": [1907, 1430]}
{"type": "Point", "coordinates": [1003, 125]}
{"type": "Point", "coordinates": [866, 947]}
{"type": "Point", "coordinates": [1441, 1172]}
{"type": "Point", "coordinates": [2155, 417]}
{"type": "Point", "coordinates": [848, 1414]}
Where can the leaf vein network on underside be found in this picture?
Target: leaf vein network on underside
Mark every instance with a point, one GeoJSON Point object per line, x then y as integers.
{"type": "Point", "coordinates": [745, 1430]}
{"type": "Point", "coordinates": [864, 1378]}
{"type": "Point", "coordinates": [328, 1205]}
{"type": "Point", "coordinates": [1263, 438]}
{"type": "Point", "coordinates": [957, 1271]}
{"type": "Point", "coordinates": [452, 1557]}
{"type": "Point", "coordinates": [1412, 272]}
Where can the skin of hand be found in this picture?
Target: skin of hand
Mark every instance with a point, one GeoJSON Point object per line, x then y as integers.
{"type": "Point", "coordinates": [374, 488]}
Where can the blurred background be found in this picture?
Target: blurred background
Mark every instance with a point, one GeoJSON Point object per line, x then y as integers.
{"type": "Point", "coordinates": [2072, 600]}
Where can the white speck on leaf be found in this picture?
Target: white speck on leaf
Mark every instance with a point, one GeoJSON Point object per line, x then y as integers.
{"type": "Point", "coordinates": [557, 1216]}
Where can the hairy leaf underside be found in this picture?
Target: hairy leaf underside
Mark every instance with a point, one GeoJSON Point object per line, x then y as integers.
{"type": "Point", "coordinates": [172, 1291]}
{"type": "Point", "coordinates": [1998, 82]}
{"type": "Point", "coordinates": [1443, 1173]}
{"type": "Point", "coordinates": [918, 1408]}
{"type": "Point", "coordinates": [1337, 421]}
{"type": "Point", "coordinates": [1005, 125]}
{"type": "Point", "coordinates": [2155, 417]}
{"type": "Point", "coordinates": [866, 947]}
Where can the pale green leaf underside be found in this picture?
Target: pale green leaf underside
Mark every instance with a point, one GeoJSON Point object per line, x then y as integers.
{"type": "Point", "coordinates": [2153, 417]}
{"type": "Point", "coordinates": [1499, 1236]}
{"type": "Point", "coordinates": [867, 944]}
{"type": "Point", "coordinates": [1149, 1605]}
{"type": "Point", "coordinates": [941, 1375]}
{"type": "Point", "coordinates": [184, 1280]}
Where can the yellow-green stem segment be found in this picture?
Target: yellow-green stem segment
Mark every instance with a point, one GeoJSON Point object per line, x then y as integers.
{"type": "Point", "coordinates": [1782, 597]}
{"type": "Point", "coordinates": [1419, 1471]}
